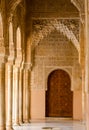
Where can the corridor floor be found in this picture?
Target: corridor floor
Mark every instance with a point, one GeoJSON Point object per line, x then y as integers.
{"type": "Point", "coordinates": [52, 125]}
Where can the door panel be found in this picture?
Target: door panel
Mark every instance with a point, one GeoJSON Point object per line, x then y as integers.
{"type": "Point", "coordinates": [59, 97]}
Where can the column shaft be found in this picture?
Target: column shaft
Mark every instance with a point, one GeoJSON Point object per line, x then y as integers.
{"type": "Point", "coordinates": [2, 97]}
{"type": "Point", "coordinates": [8, 86]}
{"type": "Point", "coordinates": [15, 114]}
{"type": "Point", "coordinates": [20, 96]}
{"type": "Point", "coordinates": [26, 97]}
{"type": "Point", "coordinates": [87, 61]}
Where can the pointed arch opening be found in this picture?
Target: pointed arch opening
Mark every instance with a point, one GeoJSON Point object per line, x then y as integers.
{"type": "Point", "coordinates": [18, 38]}
{"type": "Point", "coordinates": [1, 27]}
{"type": "Point", "coordinates": [10, 34]}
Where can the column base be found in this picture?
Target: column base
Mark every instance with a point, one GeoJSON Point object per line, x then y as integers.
{"type": "Point", "coordinates": [20, 122]}
{"type": "Point", "coordinates": [9, 128]}
{"type": "Point", "coordinates": [16, 124]}
{"type": "Point", "coordinates": [2, 127]}
{"type": "Point", "coordinates": [26, 121]}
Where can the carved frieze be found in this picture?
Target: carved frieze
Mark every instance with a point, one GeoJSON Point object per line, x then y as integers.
{"type": "Point", "coordinates": [41, 28]}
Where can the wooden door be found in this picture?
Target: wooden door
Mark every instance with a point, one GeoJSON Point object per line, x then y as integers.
{"type": "Point", "coordinates": [59, 97]}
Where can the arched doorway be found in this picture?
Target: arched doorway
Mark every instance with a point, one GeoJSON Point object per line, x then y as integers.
{"type": "Point", "coordinates": [59, 97]}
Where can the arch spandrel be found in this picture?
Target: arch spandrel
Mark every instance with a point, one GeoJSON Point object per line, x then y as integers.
{"type": "Point", "coordinates": [66, 27]}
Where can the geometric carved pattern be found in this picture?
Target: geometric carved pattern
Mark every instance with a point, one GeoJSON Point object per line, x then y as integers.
{"type": "Point", "coordinates": [56, 40]}
{"type": "Point", "coordinates": [79, 4]}
{"type": "Point", "coordinates": [12, 4]}
{"type": "Point", "coordinates": [43, 27]}
{"type": "Point", "coordinates": [48, 57]}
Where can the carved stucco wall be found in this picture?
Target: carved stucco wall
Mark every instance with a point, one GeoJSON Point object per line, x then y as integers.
{"type": "Point", "coordinates": [49, 9]}
{"type": "Point", "coordinates": [54, 51]}
{"type": "Point", "coordinates": [69, 28]}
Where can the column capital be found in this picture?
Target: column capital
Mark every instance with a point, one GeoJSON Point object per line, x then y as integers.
{"type": "Point", "coordinates": [18, 58]}
{"type": "Point", "coordinates": [18, 62]}
{"type": "Point", "coordinates": [28, 66]}
{"type": "Point", "coordinates": [2, 65]}
{"type": "Point", "coordinates": [12, 51]}
{"type": "Point", "coordinates": [82, 18]}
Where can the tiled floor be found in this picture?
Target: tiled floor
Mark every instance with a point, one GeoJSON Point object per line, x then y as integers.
{"type": "Point", "coordinates": [53, 124]}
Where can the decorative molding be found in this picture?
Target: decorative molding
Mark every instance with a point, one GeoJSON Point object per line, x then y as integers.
{"type": "Point", "coordinates": [43, 27]}
{"type": "Point", "coordinates": [12, 5]}
{"type": "Point", "coordinates": [79, 4]}
{"type": "Point", "coordinates": [49, 69]}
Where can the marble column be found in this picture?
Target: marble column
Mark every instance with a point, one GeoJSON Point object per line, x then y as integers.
{"type": "Point", "coordinates": [8, 89]}
{"type": "Point", "coordinates": [2, 97]}
{"type": "Point", "coordinates": [86, 47]}
{"type": "Point", "coordinates": [21, 96]}
{"type": "Point", "coordinates": [15, 105]}
{"type": "Point", "coordinates": [87, 61]}
{"type": "Point", "coordinates": [82, 62]}
{"type": "Point", "coordinates": [26, 96]}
